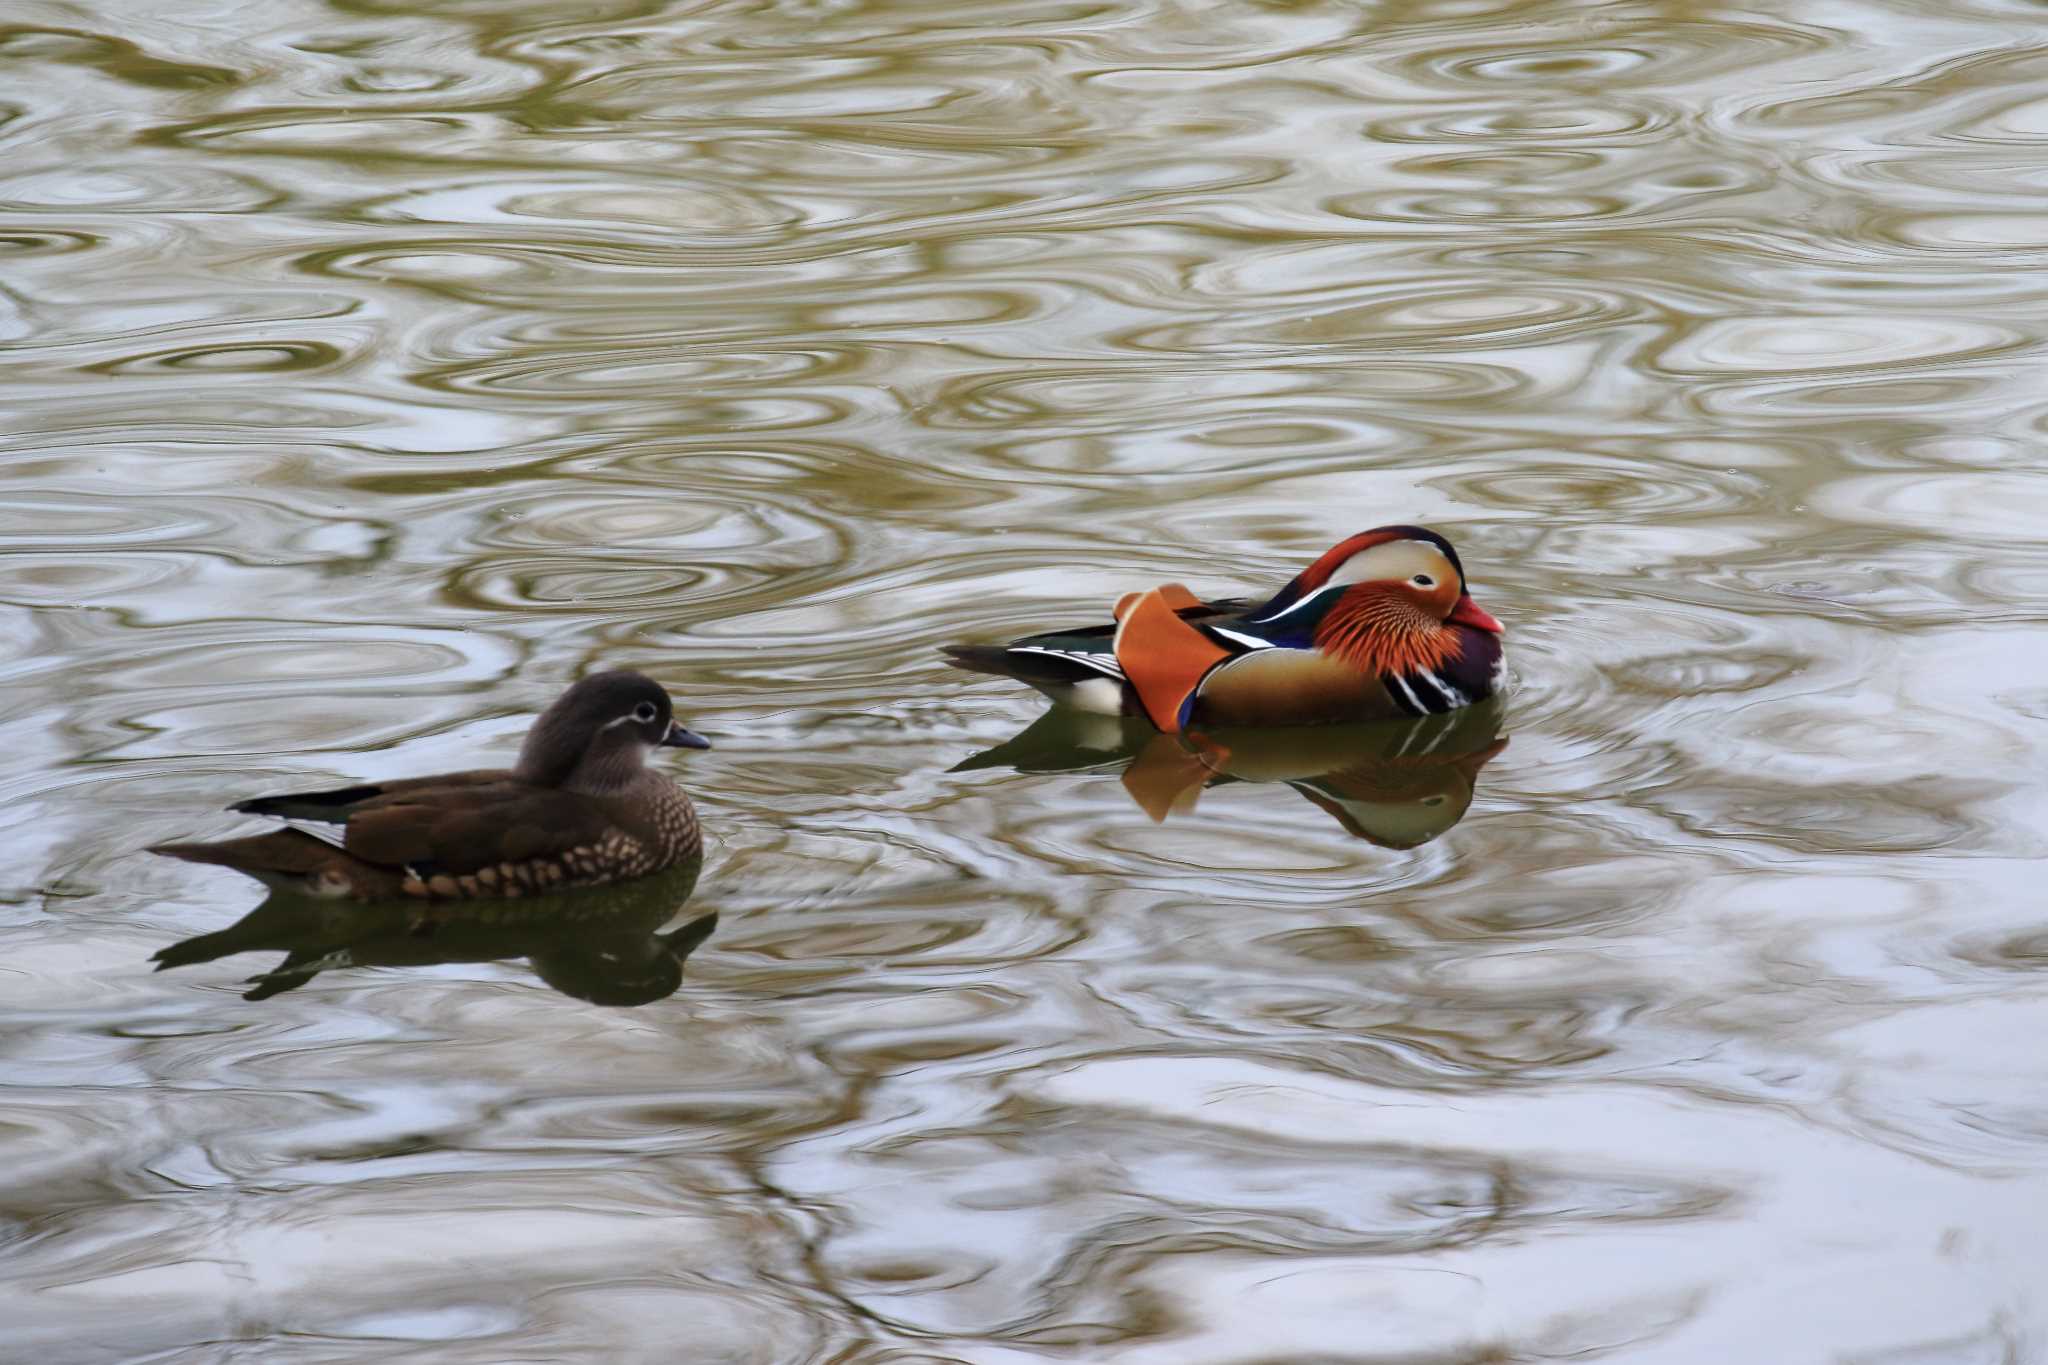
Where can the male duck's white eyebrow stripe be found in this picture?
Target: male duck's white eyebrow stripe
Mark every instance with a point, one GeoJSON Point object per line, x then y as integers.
{"type": "Point", "coordinates": [1251, 640]}
{"type": "Point", "coordinates": [1306, 598]}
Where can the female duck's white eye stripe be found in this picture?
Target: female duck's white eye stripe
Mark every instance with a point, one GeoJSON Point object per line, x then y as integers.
{"type": "Point", "coordinates": [622, 720]}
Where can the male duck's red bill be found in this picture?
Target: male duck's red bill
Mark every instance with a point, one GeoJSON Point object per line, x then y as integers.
{"type": "Point", "coordinates": [1380, 625]}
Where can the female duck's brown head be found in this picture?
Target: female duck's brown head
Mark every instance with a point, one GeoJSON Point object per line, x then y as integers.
{"type": "Point", "coordinates": [598, 734]}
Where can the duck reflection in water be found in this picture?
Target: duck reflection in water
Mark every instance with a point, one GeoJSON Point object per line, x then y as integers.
{"type": "Point", "coordinates": [605, 945]}
{"type": "Point", "coordinates": [1396, 783]}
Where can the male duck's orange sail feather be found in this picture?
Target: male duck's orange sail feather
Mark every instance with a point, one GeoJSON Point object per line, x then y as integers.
{"type": "Point", "coordinates": [1163, 657]}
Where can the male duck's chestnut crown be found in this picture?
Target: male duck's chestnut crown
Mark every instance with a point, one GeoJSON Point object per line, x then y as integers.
{"type": "Point", "coordinates": [1417, 562]}
{"type": "Point", "coordinates": [597, 735]}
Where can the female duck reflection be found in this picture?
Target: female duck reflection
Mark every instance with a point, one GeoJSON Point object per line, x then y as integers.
{"type": "Point", "coordinates": [1394, 783]}
{"type": "Point", "coordinates": [605, 945]}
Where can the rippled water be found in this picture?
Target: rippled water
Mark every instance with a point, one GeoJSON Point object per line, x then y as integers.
{"type": "Point", "coordinates": [371, 369]}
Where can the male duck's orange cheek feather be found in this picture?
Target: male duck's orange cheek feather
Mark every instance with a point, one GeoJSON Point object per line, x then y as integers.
{"type": "Point", "coordinates": [1163, 657]}
{"type": "Point", "coordinates": [1376, 635]}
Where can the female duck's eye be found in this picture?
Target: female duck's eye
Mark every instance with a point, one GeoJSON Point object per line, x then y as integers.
{"type": "Point", "coordinates": [644, 712]}
{"type": "Point", "coordinates": [1423, 580]}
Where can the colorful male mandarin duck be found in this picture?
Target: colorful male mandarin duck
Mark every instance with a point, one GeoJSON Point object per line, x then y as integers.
{"type": "Point", "coordinates": [1381, 625]}
{"type": "Point", "coordinates": [580, 808]}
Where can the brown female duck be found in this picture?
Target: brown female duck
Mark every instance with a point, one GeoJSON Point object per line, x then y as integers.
{"type": "Point", "coordinates": [579, 808]}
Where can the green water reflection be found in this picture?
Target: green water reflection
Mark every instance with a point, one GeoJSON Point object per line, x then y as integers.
{"type": "Point", "coordinates": [604, 945]}
{"type": "Point", "coordinates": [1393, 783]}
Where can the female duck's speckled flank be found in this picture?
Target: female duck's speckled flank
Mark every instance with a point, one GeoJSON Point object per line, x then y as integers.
{"type": "Point", "coordinates": [1381, 625]}
{"type": "Point", "coordinates": [580, 808]}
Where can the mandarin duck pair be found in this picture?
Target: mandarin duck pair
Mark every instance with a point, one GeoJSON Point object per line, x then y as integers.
{"type": "Point", "coordinates": [1380, 626]}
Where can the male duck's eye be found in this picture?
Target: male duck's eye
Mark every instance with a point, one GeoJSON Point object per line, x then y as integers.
{"type": "Point", "coordinates": [644, 712]}
{"type": "Point", "coordinates": [1423, 580]}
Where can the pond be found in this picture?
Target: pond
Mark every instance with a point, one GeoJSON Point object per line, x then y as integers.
{"type": "Point", "coordinates": [372, 370]}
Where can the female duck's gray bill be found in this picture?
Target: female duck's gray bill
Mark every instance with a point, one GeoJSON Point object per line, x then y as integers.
{"type": "Point", "coordinates": [679, 738]}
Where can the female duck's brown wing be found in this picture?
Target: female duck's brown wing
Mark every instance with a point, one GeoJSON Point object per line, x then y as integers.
{"type": "Point", "coordinates": [477, 832]}
{"type": "Point", "coordinates": [529, 835]}
{"type": "Point", "coordinates": [333, 807]}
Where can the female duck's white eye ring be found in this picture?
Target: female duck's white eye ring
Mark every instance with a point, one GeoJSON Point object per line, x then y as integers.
{"type": "Point", "coordinates": [1423, 580]}
{"type": "Point", "coordinates": [644, 712]}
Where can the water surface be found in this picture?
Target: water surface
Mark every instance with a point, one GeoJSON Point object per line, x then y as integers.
{"type": "Point", "coordinates": [371, 369]}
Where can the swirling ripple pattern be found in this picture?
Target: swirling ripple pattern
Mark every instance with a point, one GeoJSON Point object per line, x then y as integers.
{"type": "Point", "coordinates": [373, 368]}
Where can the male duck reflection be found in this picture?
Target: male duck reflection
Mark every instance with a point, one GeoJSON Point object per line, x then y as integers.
{"type": "Point", "coordinates": [1395, 783]}
{"type": "Point", "coordinates": [580, 808]}
{"type": "Point", "coordinates": [1381, 625]}
{"type": "Point", "coordinates": [604, 945]}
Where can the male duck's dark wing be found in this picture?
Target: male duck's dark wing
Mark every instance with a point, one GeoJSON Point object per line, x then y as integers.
{"type": "Point", "coordinates": [1052, 659]}
{"type": "Point", "coordinates": [1075, 653]}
